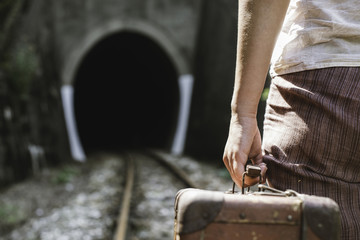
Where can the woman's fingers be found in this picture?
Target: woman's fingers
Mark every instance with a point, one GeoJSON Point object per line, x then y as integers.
{"type": "Point", "coordinates": [243, 143]}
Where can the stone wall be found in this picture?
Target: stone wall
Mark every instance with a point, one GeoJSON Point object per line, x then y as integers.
{"type": "Point", "coordinates": [214, 74]}
{"type": "Point", "coordinates": [31, 135]}
{"type": "Point", "coordinates": [76, 22]}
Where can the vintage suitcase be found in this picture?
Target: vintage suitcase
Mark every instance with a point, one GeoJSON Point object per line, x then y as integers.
{"type": "Point", "coordinates": [269, 215]}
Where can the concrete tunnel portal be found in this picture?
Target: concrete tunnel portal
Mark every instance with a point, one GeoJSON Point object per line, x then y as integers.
{"type": "Point", "coordinates": [126, 94]}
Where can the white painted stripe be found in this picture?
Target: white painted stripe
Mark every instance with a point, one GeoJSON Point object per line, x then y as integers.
{"type": "Point", "coordinates": [67, 95]}
{"type": "Point", "coordinates": [186, 83]}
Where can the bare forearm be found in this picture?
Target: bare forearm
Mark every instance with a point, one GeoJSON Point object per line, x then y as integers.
{"type": "Point", "coordinates": [259, 24]}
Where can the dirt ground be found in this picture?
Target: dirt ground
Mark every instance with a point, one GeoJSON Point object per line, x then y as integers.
{"type": "Point", "coordinates": [44, 207]}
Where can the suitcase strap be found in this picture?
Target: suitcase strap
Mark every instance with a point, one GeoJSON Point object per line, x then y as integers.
{"type": "Point", "coordinates": [275, 192]}
{"type": "Point", "coordinates": [268, 191]}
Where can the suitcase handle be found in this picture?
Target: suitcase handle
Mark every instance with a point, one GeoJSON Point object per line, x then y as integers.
{"type": "Point", "coordinates": [255, 171]}
{"type": "Point", "coordinates": [251, 171]}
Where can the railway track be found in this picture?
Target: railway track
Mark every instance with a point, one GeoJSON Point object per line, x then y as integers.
{"type": "Point", "coordinates": [83, 207]}
{"type": "Point", "coordinates": [87, 206]}
{"type": "Point", "coordinates": [138, 166]}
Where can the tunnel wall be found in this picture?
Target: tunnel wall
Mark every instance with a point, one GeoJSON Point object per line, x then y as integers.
{"type": "Point", "coordinates": [54, 36]}
{"type": "Point", "coordinates": [165, 20]}
{"type": "Point", "coordinates": [43, 42]}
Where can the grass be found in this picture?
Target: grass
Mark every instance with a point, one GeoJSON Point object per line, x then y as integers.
{"type": "Point", "coordinates": [65, 175]}
{"type": "Point", "coordinates": [10, 214]}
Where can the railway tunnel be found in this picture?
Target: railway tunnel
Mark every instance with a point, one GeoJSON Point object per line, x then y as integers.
{"type": "Point", "coordinates": [126, 94]}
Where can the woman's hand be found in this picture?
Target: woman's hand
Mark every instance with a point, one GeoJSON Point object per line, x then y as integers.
{"type": "Point", "coordinates": [243, 143]}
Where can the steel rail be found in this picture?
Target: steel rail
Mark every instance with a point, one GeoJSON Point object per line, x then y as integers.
{"type": "Point", "coordinates": [181, 174]}
{"type": "Point", "coordinates": [123, 218]}
{"type": "Point", "coordinates": [124, 213]}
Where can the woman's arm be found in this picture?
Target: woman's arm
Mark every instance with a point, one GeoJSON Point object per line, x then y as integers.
{"type": "Point", "coordinates": [259, 23]}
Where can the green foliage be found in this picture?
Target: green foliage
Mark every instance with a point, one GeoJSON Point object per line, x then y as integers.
{"type": "Point", "coordinates": [21, 67]}
{"type": "Point", "coordinates": [5, 8]}
{"type": "Point", "coordinates": [10, 214]}
{"type": "Point", "coordinates": [65, 175]}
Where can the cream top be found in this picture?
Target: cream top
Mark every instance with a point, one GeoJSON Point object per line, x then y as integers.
{"type": "Point", "coordinates": [318, 34]}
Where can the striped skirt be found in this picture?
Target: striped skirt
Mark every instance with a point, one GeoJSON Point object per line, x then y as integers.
{"type": "Point", "coordinates": [312, 138]}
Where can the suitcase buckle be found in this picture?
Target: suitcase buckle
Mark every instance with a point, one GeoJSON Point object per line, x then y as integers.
{"type": "Point", "coordinates": [253, 172]}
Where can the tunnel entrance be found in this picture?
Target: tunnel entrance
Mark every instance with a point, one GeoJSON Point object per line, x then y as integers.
{"type": "Point", "coordinates": [126, 95]}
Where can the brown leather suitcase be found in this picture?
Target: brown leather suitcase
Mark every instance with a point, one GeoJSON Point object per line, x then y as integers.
{"type": "Point", "coordinates": [269, 215]}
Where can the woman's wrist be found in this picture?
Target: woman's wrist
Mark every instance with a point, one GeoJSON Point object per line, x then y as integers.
{"type": "Point", "coordinates": [238, 112]}
{"type": "Point", "coordinates": [244, 120]}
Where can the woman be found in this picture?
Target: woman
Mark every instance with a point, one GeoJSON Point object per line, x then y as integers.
{"type": "Point", "coordinates": [311, 130]}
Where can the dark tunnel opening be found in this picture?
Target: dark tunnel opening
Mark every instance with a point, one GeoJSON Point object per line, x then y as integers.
{"type": "Point", "coordinates": [126, 95]}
